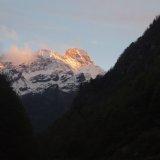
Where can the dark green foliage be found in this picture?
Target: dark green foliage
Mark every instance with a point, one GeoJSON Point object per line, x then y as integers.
{"type": "Point", "coordinates": [44, 109]}
{"type": "Point", "coordinates": [116, 117]}
{"type": "Point", "coordinates": [15, 129]}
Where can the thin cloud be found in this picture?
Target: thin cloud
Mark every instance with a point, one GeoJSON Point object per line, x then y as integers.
{"type": "Point", "coordinates": [18, 56]}
{"type": "Point", "coordinates": [8, 33]}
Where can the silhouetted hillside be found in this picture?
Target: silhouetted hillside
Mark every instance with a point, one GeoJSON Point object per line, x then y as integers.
{"type": "Point", "coordinates": [44, 109]}
{"type": "Point", "coordinates": [15, 129]}
{"type": "Point", "coordinates": [116, 117]}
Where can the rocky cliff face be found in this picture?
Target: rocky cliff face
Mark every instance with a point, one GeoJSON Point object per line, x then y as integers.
{"type": "Point", "coordinates": [49, 69]}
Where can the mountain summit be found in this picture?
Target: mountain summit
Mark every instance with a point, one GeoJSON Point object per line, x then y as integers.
{"type": "Point", "coordinates": [74, 57]}
{"type": "Point", "coordinates": [49, 69]}
{"type": "Point", "coordinates": [77, 58]}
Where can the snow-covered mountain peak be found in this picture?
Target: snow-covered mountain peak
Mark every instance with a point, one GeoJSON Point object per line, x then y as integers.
{"type": "Point", "coordinates": [74, 57]}
{"type": "Point", "coordinates": [77, 58]}
{"type": "Point", "coordinates": [45, 53]}
{"type": "Point", "coordinates": [49, 69]}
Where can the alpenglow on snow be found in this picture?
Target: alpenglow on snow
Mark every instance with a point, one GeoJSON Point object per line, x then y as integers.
{"type": "Point", "coordinates": [49, 69]}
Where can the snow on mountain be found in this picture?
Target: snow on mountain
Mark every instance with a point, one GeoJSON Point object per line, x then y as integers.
{"type": "Point", "coordinates": [49, 69]}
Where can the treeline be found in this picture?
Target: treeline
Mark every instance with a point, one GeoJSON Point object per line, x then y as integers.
{"type": "Point", "coordinates": [117, 116]}
{"type": "Point", "coordinates": [15, 130]}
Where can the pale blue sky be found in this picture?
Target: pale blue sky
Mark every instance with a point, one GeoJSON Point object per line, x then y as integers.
{"type": "Point", "coordinates": [104, 28]}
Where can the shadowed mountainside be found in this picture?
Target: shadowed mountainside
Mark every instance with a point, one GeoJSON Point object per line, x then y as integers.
{"type": "Point", "coordinates": [15, 129]}
{"type": "Point", "coordinates": [118, 116]}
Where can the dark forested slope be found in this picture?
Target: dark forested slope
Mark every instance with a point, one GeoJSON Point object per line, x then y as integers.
{"type": "Point", "coordinates": [44, 108]}
{"type": "Point", "coordinates": [15, 129]}
{"type": "Point", "coordinates": [117, 116]}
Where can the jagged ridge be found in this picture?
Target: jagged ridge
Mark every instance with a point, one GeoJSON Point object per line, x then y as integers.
{"type": "Point", "coordinates": [48, 69]}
